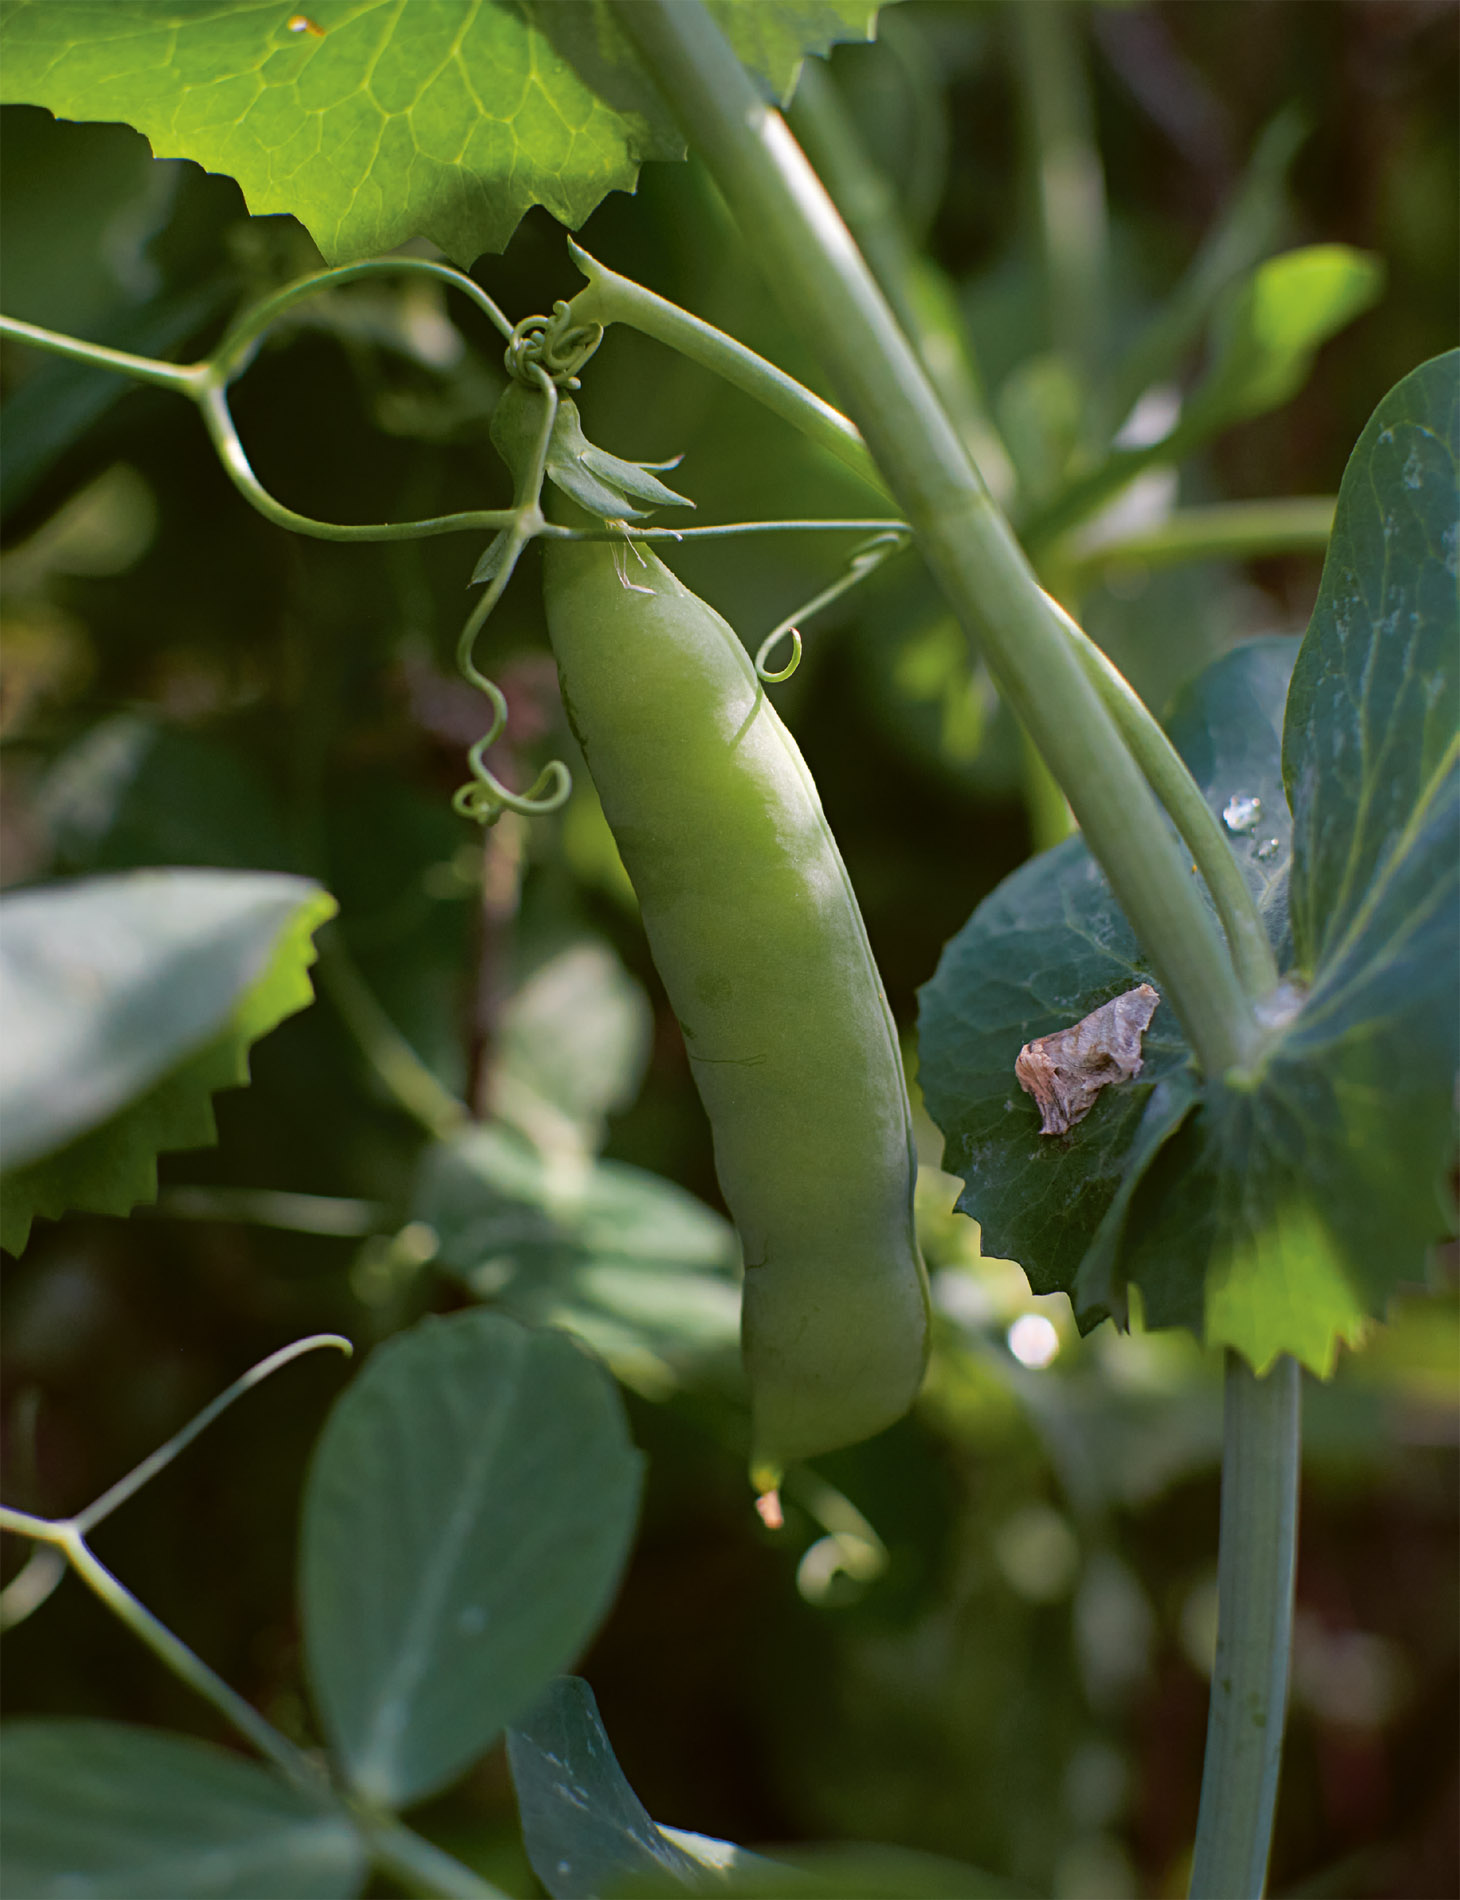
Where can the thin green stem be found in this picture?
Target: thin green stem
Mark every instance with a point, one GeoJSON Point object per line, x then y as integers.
{"type": "Point", "coordinates": [393, 1059]}
{"type": "Point", "coordinates": [67, 1537]}
{"type": "Point", "coordinates": [1260, 1459]}
{"type": "Point", "coordinates": [608, 298]}
{"type": "Point", "coordinates": [794, 229]}
{"type": "Point", "coordinates": [1069, 181]}
{"type": "Point", "coordinates": [419, 1863]}
{"type": "Point", "coordinates": [102, 1507]}
{"type": "Point", "coordinates": [328, 1214]}
{"type": "Point", "coordinates": [1225, 531]}
{"type": "Point", "coordinates": [211, 396]}
{"type": "Point", "coordinates": [1201, 832]}
{"type": "Point", "coordinates": [551, 531]}
{"type": "Point", "coordinates": [233, 354]}
{"type": "Point", "coordinates": [183, 377]}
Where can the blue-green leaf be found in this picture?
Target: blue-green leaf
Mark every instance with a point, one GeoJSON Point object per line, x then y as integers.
{"type": "Point", "coordinates": [584, 1828]}
{"type": "Point", "coordinates": [108, 1811]}
{"type": "Point", "coordinates": [468, 1511]}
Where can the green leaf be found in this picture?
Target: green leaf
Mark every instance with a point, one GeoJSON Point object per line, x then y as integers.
{"type": "Point", "coordinates": [125, 1003]}
{"type": "Point", "coordinates": [1375, 700]}
{"type": "Point", "coordinates": [583, 1826]}
{"type": "Point", "coordinates": [1317, 1184]}
{"type": "Point", "coordinates": [635, 1266]}
{"type": "Point", "coordinates": [1288, 1205]}
{"type": "Point", "coordinates": [375, 122]}
{"type": "Point", "coordinates": [107, 1811]}
{"type": "Point", "coordinates": [467, 1515]}
{"type": "Point", "coordinates": [1265, 339]}
{"type": "Point", "coordinates": [572, 1044]}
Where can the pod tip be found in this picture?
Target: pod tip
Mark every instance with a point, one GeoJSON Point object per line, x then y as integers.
{"type": "Point", "coordinates": [767, 1480]}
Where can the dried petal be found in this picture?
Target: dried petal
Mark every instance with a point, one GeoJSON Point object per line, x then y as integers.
{"type": "Point", "coordinates": [1066, 1071]}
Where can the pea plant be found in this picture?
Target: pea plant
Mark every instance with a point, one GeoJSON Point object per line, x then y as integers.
{"type": "Point", "coordinates": [1193, 1062]}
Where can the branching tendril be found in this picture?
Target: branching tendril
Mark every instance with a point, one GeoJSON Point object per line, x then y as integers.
{"type": "Point", "coordinates": [555, 344]}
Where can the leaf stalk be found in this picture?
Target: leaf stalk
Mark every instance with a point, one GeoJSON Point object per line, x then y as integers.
{"type": "Point", "coordinates": [1256, 1567]}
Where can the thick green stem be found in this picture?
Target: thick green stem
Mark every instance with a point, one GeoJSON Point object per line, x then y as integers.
{"type": "Point", "coordinates": [921, 297]}
{"type": "Point", "coordinates": [794, 228]}
{"type": "Point", "coordinates": [1165, 772]}
{"type": "Point", "coordinates": [608, 298]}
{"type": "Point", "coordinates": [1260, 1455]}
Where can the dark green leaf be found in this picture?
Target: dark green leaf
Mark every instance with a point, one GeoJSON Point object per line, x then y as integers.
{"type": "Point", "coordinates": [1317, 1185]}
{"type": "Point", "coordinates": [467, 1514]}
{"type": "Point", "coordinates": [635, 1266]}
{"type": "Point", "coordinates": [584, 1828]}
{"type": "Point", "coordinates": [106, 1811]}
{"type": "Point", "coordinates": [1047, 947]}
{"type": "Point", "coordinates": [1290, 1205]}
{"type": "Point", "coordinates": [126, 1002]}
{"type": "Point", "coordinates": [1376, 692]}
{"type": "Point", "coordinates": [374, 123]}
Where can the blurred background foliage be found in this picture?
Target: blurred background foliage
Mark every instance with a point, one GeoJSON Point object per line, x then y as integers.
{"type": "Point", "coordinates": [987, 1633]}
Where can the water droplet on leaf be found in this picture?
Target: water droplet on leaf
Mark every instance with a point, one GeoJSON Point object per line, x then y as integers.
{"type": "Point", "coordinates": [1242, 811]}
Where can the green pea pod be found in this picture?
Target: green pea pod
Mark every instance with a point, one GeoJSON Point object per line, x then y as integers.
{"type": "Point", "coordinates": [756, 933]}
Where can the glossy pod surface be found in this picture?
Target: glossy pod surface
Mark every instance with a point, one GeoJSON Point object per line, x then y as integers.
{"type": "Point", "coordinates": [758, 938]}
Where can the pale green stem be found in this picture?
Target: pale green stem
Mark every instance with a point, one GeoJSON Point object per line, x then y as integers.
{"type": "Point", "coordinates": [1256, 1566]}
{"type": "Point", "coordinates": [1225, 531]}
{"type": "Point", "coordinates": [419, 1864]}
{"type": "Point", "coordinates": [1069, 180]}
{"type": "Point", "coordinates": [291, 1762]}
{"type": "Point", "coordinates": [211, 396]}
{"type": "Point", "coordinates": [326, 1214]}
{"type": "Point", "coordinates": [393, 1059]}
{"type": "Point", "coordinates": [608, 298]}
{"type": "Point", "coordinates": [183, 377]}
{"type": "Point", "coordinates": [551, 531]}
{"type": "Point", "coordinates": [237, 347]}
{"type": "Point", "coordinates": [102, 1507]}
{"type": "Point", "coordinates": [793, 228]}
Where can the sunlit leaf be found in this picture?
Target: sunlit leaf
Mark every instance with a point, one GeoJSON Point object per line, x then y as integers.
{"type": "Point", "coordinates": [374, 122]}
{"type": "Point", "coordinates": [125, 1002]}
